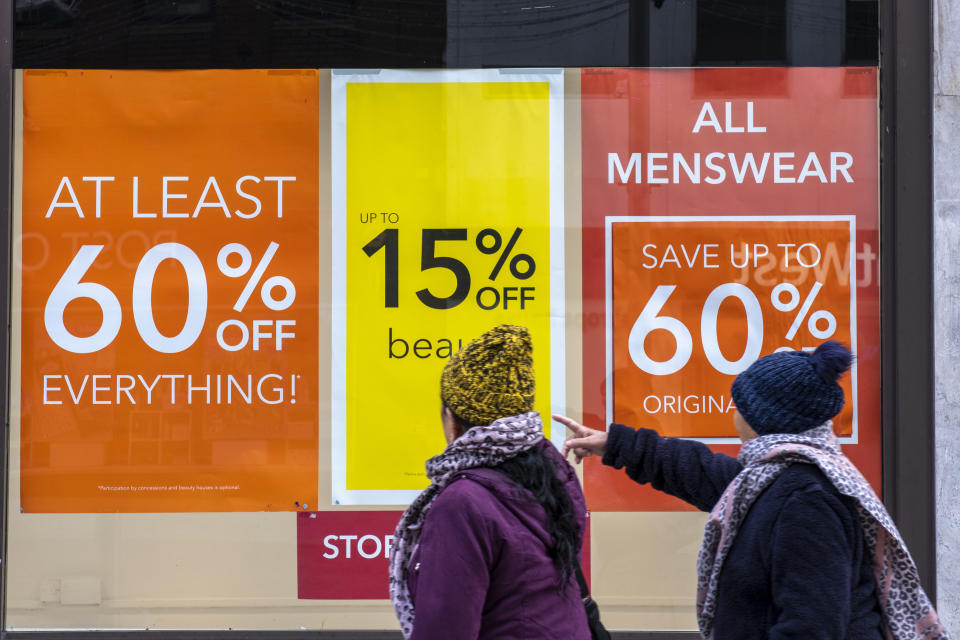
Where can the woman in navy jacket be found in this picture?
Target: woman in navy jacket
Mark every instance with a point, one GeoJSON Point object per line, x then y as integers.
{"type": "Point", "coordinates": [797, 542]}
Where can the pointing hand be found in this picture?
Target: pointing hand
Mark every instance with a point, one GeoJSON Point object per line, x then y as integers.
{"type": "Point", "coordinates": [584, 442]}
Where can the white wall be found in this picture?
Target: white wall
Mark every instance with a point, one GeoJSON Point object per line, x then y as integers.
{"type": "Point", "coordinates": [946, 233]}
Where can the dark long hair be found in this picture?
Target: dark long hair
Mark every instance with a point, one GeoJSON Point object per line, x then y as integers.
{"type": "Point", "coordinates": [539, 475]}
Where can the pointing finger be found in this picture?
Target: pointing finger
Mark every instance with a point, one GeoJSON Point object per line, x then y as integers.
{"type": "Point", "coordinates": [577, 428]}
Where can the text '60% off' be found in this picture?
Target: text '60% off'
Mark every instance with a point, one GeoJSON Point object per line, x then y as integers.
{"type": "Point", "coordinates": [70, 288]}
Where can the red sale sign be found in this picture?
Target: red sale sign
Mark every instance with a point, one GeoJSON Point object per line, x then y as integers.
{"type": "Point", "coordinates": [345, 555]}
{"type": "Point", "coordinates": [727, 214]}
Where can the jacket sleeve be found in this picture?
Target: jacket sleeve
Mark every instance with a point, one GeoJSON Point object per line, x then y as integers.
{"type": "Point", "coordinates": [811, 568]}
{"type": "Point", "coordinates": [683, 468]}
{"type": "Point", "coordinates": [457, 550]}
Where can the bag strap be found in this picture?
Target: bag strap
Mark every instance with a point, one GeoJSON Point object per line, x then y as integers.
{"type": "Point", "coordinates": [584, 590]}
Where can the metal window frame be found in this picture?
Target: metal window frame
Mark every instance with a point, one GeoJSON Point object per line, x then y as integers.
{"type": "Point", "coordinates": [906, 271]}
{"type": "Point", "coordinates": [906, 276]}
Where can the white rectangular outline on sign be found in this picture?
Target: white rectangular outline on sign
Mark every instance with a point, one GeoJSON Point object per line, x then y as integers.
{"type": "Point", "coordinates": [609, 221]}
{"type": "Point", "coordinates": [340, 495]}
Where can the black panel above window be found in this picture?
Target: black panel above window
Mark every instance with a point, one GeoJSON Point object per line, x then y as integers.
{"type": "Point", "coordinates": [164, 34]}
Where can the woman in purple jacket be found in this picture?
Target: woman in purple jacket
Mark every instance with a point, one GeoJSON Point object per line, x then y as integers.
{"type": "Point", "coordinates": [490, 549]}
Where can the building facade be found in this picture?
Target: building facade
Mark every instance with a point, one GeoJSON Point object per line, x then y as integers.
{"type": "Point", "coordinates": [830, 125]}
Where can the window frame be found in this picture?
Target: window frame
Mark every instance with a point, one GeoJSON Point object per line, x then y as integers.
{"type": "Point", "coordinates": [906, 286]}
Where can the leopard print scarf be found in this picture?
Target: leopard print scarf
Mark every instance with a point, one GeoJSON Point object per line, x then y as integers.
{"type": "Point", "coordinates": [482, 446]}
{"type": "Point", "coordinates": [907, 612]}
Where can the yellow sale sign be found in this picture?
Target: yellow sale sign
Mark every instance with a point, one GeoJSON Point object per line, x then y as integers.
{"type": "Point", "coordinates": [447, 221]}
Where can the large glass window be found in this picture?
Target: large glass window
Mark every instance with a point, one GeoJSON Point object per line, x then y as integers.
{"type": "Point", "coordinates": [236, 280]}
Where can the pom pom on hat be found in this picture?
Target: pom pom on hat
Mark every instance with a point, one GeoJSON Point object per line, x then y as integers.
{"type": "Point", "coordinates": [492, 377]}
{"type": "Point", "coordinates": [792, 391]}
{"type": "Point", "coordinates": [831, 360]}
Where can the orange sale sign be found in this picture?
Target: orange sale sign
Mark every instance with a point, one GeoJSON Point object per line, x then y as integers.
{"type": "Point", "coordinates": [695, 300]}
{"type": "Point", "coordinates": [169, 291]}
{"type": "Point", "coordinates": [727, 214]}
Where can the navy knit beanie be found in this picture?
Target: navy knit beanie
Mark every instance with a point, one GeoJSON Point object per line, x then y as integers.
{"type": "Point", "coordinates": [792, 391]}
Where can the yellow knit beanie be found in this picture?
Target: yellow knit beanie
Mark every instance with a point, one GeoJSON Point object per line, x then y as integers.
{"type": "Point", "coordinates": [491, 377]}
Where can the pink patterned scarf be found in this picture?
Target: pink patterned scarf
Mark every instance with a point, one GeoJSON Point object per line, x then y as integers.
{"type": "Point", "coordinates": [482, 446]}
{"type": "Point", "coordinates": [907, 612]}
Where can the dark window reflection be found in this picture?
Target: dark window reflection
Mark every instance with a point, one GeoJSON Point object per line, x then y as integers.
{"type": "Point", "coordinates": [442, 33]}
{"type": "Point", "coordinates": [229, 33]}
{"type": "Point", "coordinates": [861, 32]}
{"type": "Point", "coordinates": [737, 32]}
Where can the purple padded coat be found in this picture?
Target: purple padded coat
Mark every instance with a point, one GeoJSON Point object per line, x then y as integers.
{"type": "Point", "coordinates": [481, 569]}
